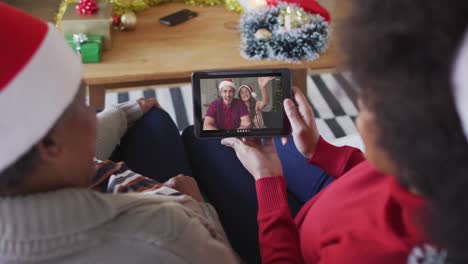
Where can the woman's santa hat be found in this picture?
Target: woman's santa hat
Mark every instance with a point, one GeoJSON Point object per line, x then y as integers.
{"type": "Point", "coordinates": [39, 77]}
{"type": "Point", "coordinates": [226, 82]}
{"type": "Point", "coordinates": [460, 81]}
{"type": "Point", "coordinates": [250, 89]}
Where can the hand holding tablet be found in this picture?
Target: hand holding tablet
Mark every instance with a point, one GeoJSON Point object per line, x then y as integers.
{"type": "Point", "coordinates": [242, 103]}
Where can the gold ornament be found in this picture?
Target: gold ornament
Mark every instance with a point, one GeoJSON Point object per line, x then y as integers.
{"type": "Point", "coordinates": [128, 21]}
{"type": "Point", "coordinates": [293, 17]}
{"type": "Point", "coordinates": [263, 33]}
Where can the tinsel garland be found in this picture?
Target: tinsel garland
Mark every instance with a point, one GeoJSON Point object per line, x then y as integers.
{"type": "Point", "coordinates": [123, 6]}
{"type": "Point", "coordinates": [297, 44]}
{"type": "Point", "coordinates": [233, 5]}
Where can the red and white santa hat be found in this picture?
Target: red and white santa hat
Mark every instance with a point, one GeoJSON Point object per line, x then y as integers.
{"type": "Point", "coordinates": [39, 77]}
{"type": "Point", "coordinates": [250, 89]}
{"type": "Point", "coordinates": [460, 87]}
{"type": "Point", "coordinates": [226, 82]}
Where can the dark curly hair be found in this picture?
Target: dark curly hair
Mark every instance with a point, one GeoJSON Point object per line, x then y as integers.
{"type": "Point", "coordinates": [401, 53]}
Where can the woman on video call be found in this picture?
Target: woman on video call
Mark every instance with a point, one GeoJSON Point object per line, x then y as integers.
{"type": "Point", "coordinates": [255, 108]}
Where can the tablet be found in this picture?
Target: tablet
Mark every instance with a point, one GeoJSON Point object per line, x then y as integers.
{"type": "Point", "coordinates": [241, 103]}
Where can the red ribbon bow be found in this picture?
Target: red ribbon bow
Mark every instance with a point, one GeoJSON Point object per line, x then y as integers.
{"type": "Point", "coordinates": [87, 7]}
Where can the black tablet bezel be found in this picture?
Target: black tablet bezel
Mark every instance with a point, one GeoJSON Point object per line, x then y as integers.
{"type": "Point", "coordinates": [264, 132]}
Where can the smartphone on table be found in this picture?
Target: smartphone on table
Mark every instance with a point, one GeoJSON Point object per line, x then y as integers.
{"type": "Point", "coordinates": [178, 17]}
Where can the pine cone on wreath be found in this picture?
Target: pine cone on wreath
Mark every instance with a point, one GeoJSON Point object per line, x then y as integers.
{"type": "Point", "coordinates": [87, 7]}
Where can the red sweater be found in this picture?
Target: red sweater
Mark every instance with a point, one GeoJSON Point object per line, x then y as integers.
{"type": "Point", "coordinates": [364, 216]}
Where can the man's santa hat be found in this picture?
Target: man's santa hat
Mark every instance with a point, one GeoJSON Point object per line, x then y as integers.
{"type": "Point", "coordinates": [226, 82]}
{"type": "Point", "coordinates": [460, 81]}
{"type": "Point", "coordinates": [250, 89]}
{"type": "Point", "coordinates": [39, 77]}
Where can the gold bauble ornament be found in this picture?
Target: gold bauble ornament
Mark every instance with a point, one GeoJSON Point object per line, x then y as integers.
{"type": "Point", "coordinates": [128, 21]}
{"type": "Point", "coordinates": [293, 17]}
{"type": "Point", "coordinates": [263, 33]}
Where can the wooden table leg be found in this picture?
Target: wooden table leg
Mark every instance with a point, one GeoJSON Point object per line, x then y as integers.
{"type": "Point", "coordinates": [97, 97]}
{"type": "Point", "coordinates": [299, 77]}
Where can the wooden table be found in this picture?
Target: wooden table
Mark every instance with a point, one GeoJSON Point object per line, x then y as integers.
{"type": "Point", "coordinates": [157, 54]}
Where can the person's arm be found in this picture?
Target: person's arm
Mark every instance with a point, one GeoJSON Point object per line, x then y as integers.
{"type": "Point", "coordinates": [334, 160]}
{"type": "Point", "coordinates": [279, 239]}
{"type": "Point", "coordinates": [114, 121]}
{"type": "Point", "coordinates": [112, 124]}
{"type": "Point", "coordinates": [209, 123]}
{"type": "Point", "coordinates": [278, 235]}
{"type": "Point", "coordinates": [210, 117]}
{"type": "Point", "coordinates": [191, 238]}
{"type": "Point", "coordinates": [199, 228]}
{"type": "Point", "coordinates": [245, 122]}
{"type": "Point", "coordinates": [262, 83]}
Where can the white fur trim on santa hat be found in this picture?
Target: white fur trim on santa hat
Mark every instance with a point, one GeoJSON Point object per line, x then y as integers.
{"type": "Point", "coordinates": [460, 80]}
{"type": "Point", "coordinates": [37, 96]}
{"type": "Point", "coordinates": [226, 83]}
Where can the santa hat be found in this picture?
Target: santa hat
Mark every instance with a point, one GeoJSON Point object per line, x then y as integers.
{"type": "Point", "coordinates": [311, 6]}
{"type": "Point", "coordinates": [250, 89]}
{"type": "Point", "coordinates": [460, 87]}
{"type": "Point", "coordinates": [226, 82]}
{"type": "Point", "coordinates": [39, 77]}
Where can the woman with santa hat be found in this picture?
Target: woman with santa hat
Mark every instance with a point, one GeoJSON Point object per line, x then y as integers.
{"type": "Point", "coordinates": [59, 205]}
{"type": "Point", "coordinates": [248, 97]}
{"type": "Point", "coordinates": [405, 199]}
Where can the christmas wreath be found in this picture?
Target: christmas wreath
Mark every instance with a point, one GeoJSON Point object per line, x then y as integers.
{"type": "Point", "coordinates": [284, 31]}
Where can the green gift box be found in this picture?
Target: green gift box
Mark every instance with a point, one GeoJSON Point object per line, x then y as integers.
{"type": "Point", "coordinates": [90, 49]}
{"type": "Point", "coordinates": [98, 24]}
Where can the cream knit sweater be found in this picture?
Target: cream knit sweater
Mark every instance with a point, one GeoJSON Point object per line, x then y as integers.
{"type": "Point", "coordinates": [85, 226]}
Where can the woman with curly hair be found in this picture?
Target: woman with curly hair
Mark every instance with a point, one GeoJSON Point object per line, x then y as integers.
{"type": "Point", "coordinates": [406, 199]}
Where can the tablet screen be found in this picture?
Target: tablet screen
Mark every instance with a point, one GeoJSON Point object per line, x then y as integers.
{"type": "Point", "coordinates": [241, 103]}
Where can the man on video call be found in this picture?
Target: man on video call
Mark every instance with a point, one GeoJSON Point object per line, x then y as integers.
{"type": "Point", "coordinates": [227, 112]}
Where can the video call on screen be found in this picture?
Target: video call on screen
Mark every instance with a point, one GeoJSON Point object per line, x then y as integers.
{"type": "Point", "coordinates": [240, 105]}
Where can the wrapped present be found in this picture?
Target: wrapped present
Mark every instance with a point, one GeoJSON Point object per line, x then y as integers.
{"type": "Point", "coordinates": [89, 46]}
{"type": "Point", "coordinates": [97, 24]}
